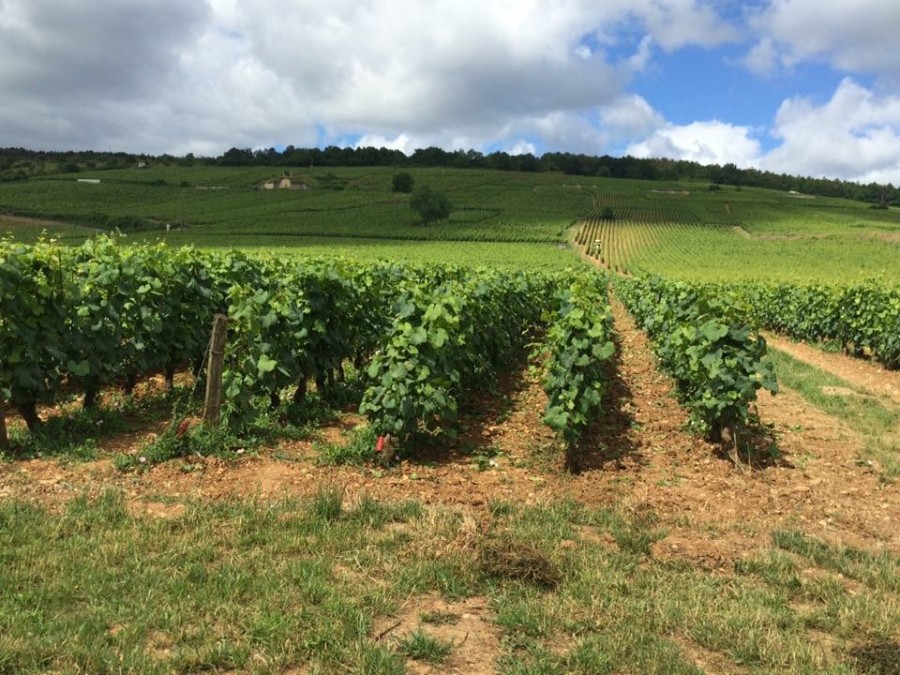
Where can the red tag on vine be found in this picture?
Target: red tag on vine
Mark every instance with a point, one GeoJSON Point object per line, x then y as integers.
{"type": "Point", "coordinates": [379, 444]}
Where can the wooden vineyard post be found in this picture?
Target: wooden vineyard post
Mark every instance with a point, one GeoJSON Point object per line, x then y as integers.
{"type": "Point", "coordinates": [212, 405]}
{"type": "Point", "coordinates": [4, 437]}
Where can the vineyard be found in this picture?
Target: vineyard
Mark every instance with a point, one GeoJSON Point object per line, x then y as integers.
{"type": "Point", "coordinates": [453, 447]}
{"type": "Point", "coordinates": [709, 252]}
{"type": "Point", "coordinates": [79, 320]}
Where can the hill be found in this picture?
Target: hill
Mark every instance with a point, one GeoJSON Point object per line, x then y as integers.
{"type": "Point", "coordinates": [685, 229]}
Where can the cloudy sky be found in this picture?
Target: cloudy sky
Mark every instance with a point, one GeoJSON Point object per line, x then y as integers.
{"type": "Point", "coordinates": [809, 87]}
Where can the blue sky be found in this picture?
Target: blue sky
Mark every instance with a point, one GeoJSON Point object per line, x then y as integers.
{"type": "Point", "coordinates": [809, 87]}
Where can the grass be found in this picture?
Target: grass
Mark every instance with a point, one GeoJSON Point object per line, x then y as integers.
{"type": "Point", "coordinates": [358, 449]}
{"type": "Point", "coordinates": [876, 419]}
{"type": "Point", "coordinates": [265, 587]}
{"type": "Point", "coordinates": [420, 646]}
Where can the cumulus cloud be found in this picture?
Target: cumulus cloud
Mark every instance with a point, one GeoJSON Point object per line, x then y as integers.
{"type": "Point", "coordinates": [71, 77]}
{"type": "Point", "coordinates": [858, 36]}
{"type": "Point", "coordinates": [706, 142]}
{"type": "Point", "coordinates": [200, 76]}
{"type": "Point", "coordinates": [521, 75]}
{"type": "Point", "coordinates": [855, 135]}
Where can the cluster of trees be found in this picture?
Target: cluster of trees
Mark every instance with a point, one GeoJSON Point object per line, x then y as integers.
{"type": "Point", "coordinates": [19, 163]}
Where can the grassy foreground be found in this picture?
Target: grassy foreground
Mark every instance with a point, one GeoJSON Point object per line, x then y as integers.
{"type": "Point", "coordinates": [262, 587]}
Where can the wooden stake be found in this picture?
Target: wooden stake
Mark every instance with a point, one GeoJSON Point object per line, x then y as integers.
{"type": "Point", "coordinates": [212, 406]}
{"type": "Point", "coordinates": [4, 437]}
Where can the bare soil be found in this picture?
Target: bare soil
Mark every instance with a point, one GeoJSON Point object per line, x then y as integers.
{"type": "Point", "coordinates": [468, 625]}
{"type": "Point", "coordinates": [23, 221]}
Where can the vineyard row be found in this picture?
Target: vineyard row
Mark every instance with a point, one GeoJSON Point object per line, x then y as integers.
{"type": "Point", "coordinates": [82, 319]}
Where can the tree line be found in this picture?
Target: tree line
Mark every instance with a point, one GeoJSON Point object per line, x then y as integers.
{"type": "Point", "coordinates": [21, 163]}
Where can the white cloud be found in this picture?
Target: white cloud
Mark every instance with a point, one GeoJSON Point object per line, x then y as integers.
{"type": "Point", "coordinates": [523, 148]}
{"type": "Point", "coordinates": [677, 23]}
{"type": "Point", "coordinates": [763, 58]}
{"type": "Point", "coordinates": [855, 136]}
{"type": "Point", "coordinates": [217, 73]}
{"type": "Point", "coordinates": [710, 142]}
{"type": "Point", "coordinates": [858, 36]}
{"type": "Point", "coordinates": [629, 117]}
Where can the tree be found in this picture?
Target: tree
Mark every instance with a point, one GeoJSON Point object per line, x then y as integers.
{"type": "Point", "coordinates": [430, 204]}
{"type": "Point", "coordinates": [402, 182]}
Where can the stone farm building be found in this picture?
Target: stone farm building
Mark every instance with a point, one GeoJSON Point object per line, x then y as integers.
{"type": "Point", "coordinates": [285, 183]}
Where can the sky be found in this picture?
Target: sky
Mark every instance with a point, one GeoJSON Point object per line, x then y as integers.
{"type": "Point", "coordinates": [804, 87]}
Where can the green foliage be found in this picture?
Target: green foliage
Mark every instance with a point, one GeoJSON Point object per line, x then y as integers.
{"type": "Point", "coordinates": [420, 646]}
{"type": "Point", "coordinates": [402, 182]}
{"type": "Point", "coordinates": [357, 450]}
{"type": "Point", "coordinates": [446, 340]}
{"type": "Point", "coordinates": [578, 345]}
{"type": "Point", "coordinates": [106, 313]}
{"type": "Point", "coordinates": [702, 339]}
{"type": "Point", "coordinates": [431, 204]}
{"type": "Point", "coordinates": [33, 334]}
{"type": "Point", "coordinates": [863, 318]}
{"type": "Point", "coordinates": [182, 440]}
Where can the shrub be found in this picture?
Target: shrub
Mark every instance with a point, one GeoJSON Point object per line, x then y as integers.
{"type": "Point", "coordinates": [402, 182]}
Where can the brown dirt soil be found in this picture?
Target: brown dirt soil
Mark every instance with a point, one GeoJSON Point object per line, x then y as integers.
{"type": "Point", "coordinates": [639, 458]}
{"type": "Point", "coordinates": [467, 625]}
{"type": "Point", "coordinates": [866, 374]}
{"type": "Point", "coordinates": [23, 221]}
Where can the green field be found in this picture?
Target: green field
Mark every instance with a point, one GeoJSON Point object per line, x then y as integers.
{"type": "Point", "coordinates": [513, 219]}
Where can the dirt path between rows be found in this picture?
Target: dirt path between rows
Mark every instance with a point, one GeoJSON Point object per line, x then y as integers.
{"type": "Point", "coordinates": [865, 374]}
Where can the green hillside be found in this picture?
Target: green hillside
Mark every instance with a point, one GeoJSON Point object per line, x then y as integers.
{"type": "Point", "coordinates": [505, 218]}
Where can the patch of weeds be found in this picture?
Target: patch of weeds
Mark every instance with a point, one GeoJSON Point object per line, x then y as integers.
{"type": "Point", "coordinates": [182, 440]}
{"type": "Point", "coordinates": [778, 570]}
{"type": "Point", "coordinates": [637, 533]}
{"type": "Point", "coordinates": [420, 646]}
{"type": "Point", "coordinates": [530, 659]}
{"type": "Point", "coordinates": [72, 435]}
{"type": "Point", "coordinates": [359, 448]}
{"type": "Point", "coordinates": [289, 421]}
{"type": "Point", "coordinates": [328, 504]}
{"type": "Point", "coordinates": [486, 459]}
{"type": "Point", "coordinates": [371, 512]}
{"type": "Point", "coordinates": [500, 509]}
{"type": "Point", "coordinates": [82, 452]}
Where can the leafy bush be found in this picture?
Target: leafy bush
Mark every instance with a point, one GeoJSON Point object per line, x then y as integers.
{"type": "Point", "coordinates": [430, 204]}
{"type": "Point", "coordinates": [578, 344]}
{"type": "Point", "coordinates": [402, 182]}
{"type": "Point", "coordinates": [702, 339]}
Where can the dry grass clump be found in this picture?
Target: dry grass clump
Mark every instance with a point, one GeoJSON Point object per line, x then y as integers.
{"type": "Point", "coordinates": [506, 558]}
